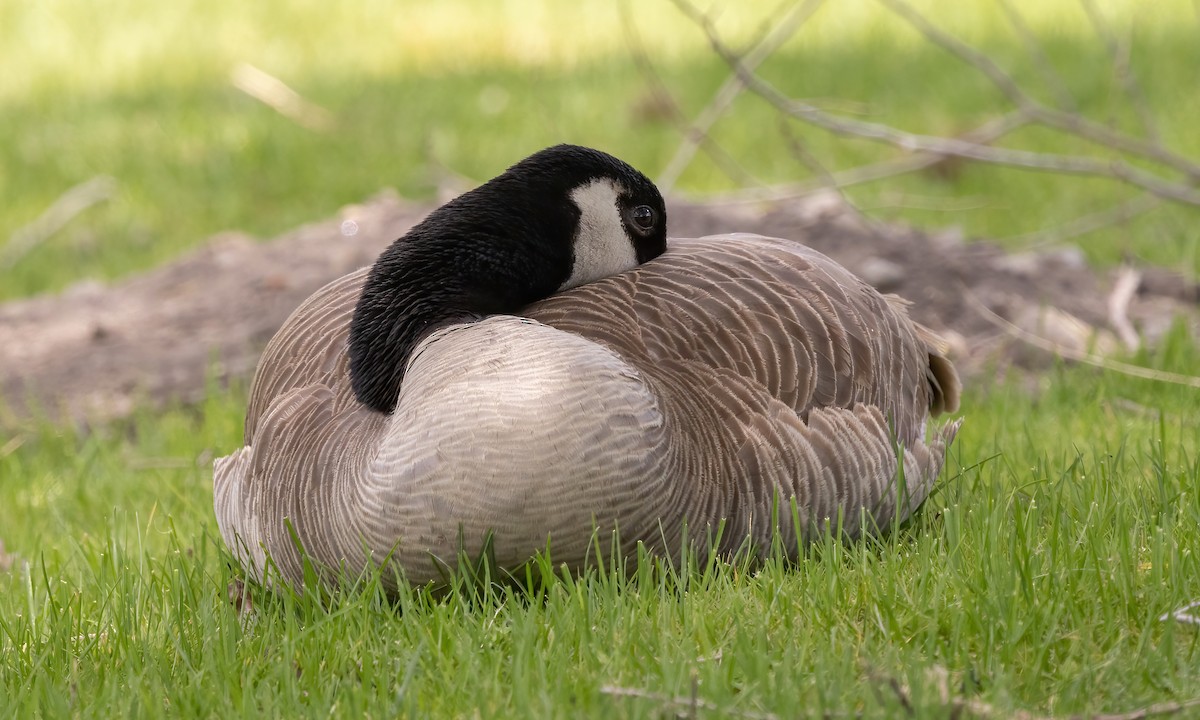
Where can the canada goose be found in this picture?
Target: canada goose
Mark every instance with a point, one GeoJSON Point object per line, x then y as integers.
{"type": "Point", "coordinates": [403, 413]}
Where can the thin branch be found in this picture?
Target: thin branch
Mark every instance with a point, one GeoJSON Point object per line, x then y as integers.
{"type": "Point", "coordinates": [54, 218]}
{"type": "Point", "coordinates": [760, 50]}
{"type": "Point", "coordinates": [1183, 615]}
{"type": "Point", "coordinates": [796, 147]}
{"type": "Point", "coordinates": [938, 675]}
{"type": "Point", "coordinates": [899, 689]}
{"type": "Point", "coordinates": [1077, 355]}
{"type": "Point", "coordinates": [275, 94]}
{"type": "Point", "coordinates": [1125, 287]}
{"type": "Point", "coordinates": [693, 134]}
{"type": "Point", "coordinates": [1069, 122]}
{"type": "Point", "coordinates": [11, 447]}
{"type": "Point", "coordinates": [683, 703]}
{"type": "Point", "coordinates": [1065, 99]}
{"type": "Point", "coordinates": [1167, 708]}
{"type": "Point", "coordinates": [1123, 68]}
{"type": "Point", "coordinates": [987, 133]}
{"type": "Point", "coordinates": [1066, 164]}
{"type": "Point", "coordinates": [894, 200]}
{"type": "Point", "coordinates": [978, 708]}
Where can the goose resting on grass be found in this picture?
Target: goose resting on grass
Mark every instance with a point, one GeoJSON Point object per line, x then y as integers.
{"type": "Point", "coordinates": [536, 362]}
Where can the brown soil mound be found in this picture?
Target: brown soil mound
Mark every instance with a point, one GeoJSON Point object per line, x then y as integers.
{"type": "Point", "coordinates": [95, 351]}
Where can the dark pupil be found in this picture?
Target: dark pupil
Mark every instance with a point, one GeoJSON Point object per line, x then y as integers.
{"type": "Point", "coordinates": [643, 216]}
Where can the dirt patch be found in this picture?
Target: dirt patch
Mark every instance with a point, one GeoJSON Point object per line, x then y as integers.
{"type": "Point", "coordinates": [96, 351]}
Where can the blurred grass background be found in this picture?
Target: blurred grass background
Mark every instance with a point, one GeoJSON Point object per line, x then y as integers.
{"type": "Point", "coordinates": [142, 92]}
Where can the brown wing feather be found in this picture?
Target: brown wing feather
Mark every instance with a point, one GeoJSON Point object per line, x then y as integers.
{"type": "Point", "coordinates": [781, 316]}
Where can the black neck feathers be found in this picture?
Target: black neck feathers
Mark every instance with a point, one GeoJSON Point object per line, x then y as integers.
{"type": "Point", "coordinates": [477, 255]}
{"type": "Point", "coordinates": [495, 249]}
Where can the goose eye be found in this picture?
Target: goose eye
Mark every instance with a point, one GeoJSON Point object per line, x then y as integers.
{"type": "Point", "coordinates": [643, 217]}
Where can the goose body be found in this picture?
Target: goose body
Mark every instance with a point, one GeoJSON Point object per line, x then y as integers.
{"type": "Point", "coordinates": [718, 383]}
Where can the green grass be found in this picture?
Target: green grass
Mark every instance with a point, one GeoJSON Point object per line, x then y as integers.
{"type": "Point", "coordinates": [1066, 524]}
{"type": "Point", "coordinates": [1035, 576]}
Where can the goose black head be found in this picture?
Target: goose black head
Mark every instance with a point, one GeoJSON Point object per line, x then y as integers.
{"type": "Point", "coordinates": [562, 217]}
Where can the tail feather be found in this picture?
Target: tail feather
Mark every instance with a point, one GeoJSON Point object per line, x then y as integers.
{"type": "Point", "coordinates": [943, 378]}
{"type": "Point", "coordinates": [238, 527]}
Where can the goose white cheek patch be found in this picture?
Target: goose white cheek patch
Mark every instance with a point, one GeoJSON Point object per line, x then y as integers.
{"type": "Point", "coordinates": [602, 247]}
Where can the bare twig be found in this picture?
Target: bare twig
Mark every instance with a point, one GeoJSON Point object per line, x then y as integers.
{"type": "Point", "coordinates": [692, 703]}
{"type": "Point", "coordinates": [1067, 164]}
{"type": "Point", "coordinates": [274, 93]}
{"type": "Point", "coordinates": [899, 689]}
{"type": "Point", "coordinates": [1115, 215]}
{"type": "Point", "coordinates": [1071, 354]}
{"type": "Point", "coordinates": [909, 201]}
{"type": "Point", "coordinates": [1069, 122]}
{"type": "Point", "coordinates": [761, 49]}
{"type": "Point", "coordinates": [1126, 285]}
{"type": "Point", "coordinates": [987, 133]}
{"type": "Point", "coordinates": [796, 146]}
{"type": "Point", "coordinates": [12, 446]}
{"type": "Point", "coordinates": [978, 708]}
{"type": "Point", "coordinates": [1123, 67]}
{"type": "Point", "coordinates": [54, 218]}
{"type": "Point", "coordinates": [937, 675]}
{"type": "Point", "coordinates": [1184, 614]}
{"type": "Point", "coordinates": [694, 134]}
{"type": "Point", "coordinates": [1038, 53]}
{"type": "Point", "coordinates": [1168, 708]}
